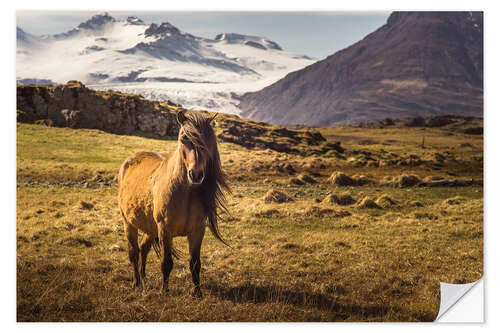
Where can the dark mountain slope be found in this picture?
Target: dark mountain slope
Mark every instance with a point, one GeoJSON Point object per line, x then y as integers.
{"type": "Point", "coordinates": [417, 64]}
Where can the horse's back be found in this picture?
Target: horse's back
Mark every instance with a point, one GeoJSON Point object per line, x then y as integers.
{"type": "Point", "coordinates": [142, 159]}
{"type": "Point", "coordinates": [134, 189]}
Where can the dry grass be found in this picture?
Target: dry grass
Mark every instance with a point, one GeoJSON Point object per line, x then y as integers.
{"type": "Point", "coordinates": [366, 202]}
{"type": "Point", "coordinates": [343, 199]}
{"type": "Point", "coordinates": [301, 260]}
{"type": "Point", "coordinates": [276, 196]}
{"type": "Point", "coordinates": [385, 201]}
{"type": "Point", "coordinates": [341, 179]}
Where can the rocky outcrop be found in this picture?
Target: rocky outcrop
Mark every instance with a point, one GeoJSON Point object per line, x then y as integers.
{"type": "Point", "coordinates": [260, 135]}
{"type": "Point", "coordinates": [73, 105]}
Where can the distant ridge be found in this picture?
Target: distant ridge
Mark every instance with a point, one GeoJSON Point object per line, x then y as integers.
{"type": "Point", "coordinates": [417, 64]}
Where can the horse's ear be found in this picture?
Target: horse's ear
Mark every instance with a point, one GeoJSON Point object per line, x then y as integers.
{"type": "Point", "coordinates": [181, 117]}
{"type": "Point", "coordinates": [212, 120]}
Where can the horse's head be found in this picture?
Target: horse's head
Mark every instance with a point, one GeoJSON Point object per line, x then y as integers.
{"type": "Point", "coordinates": [195, 139]}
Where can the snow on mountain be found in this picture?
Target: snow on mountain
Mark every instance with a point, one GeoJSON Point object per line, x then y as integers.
{"type": "Point", "coordinates": [254, 41]}
{"type": "Point", "coordinates": [156, 61]}
{"type": "Point", "coordinates": [26, 43]}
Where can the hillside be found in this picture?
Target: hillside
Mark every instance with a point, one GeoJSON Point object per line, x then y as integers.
{"type": "Point", "coordinates": [417, 64]}
{"type": "Point", "coordinates": [76, 106]}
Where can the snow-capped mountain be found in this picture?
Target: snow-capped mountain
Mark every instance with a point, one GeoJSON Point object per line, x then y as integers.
{"type": "Point", "coordinates": [156, 61]}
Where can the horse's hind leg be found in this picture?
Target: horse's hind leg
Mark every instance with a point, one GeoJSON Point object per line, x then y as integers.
{"type": "Point", "coordinates": [133, 251]}
{"type": "Point", "coordinates": [145, 246]}
{"type": "Point", "coordinates": [195, 240]}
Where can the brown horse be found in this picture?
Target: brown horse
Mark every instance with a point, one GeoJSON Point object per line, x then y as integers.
{"type": "Point", "coordinates": [178, 194]}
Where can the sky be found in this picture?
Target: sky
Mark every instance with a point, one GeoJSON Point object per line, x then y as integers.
{"type": "Point", "coordinates": [316, 34]}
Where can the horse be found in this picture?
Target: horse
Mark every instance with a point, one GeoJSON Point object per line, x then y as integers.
{"type": "Point", "coordinates": [171, 195]}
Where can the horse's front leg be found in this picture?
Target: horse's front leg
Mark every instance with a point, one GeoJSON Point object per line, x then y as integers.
{"type": "Point", "coordinates": [167, 262]}
{"type": "Point", "coordinates": [195, 238]}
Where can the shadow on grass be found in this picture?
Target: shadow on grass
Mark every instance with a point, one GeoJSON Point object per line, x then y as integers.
{"type": "Point", "coordinates": [265, 294]}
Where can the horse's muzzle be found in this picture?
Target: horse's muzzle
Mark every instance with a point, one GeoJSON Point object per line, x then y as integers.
{"type": "Point", "coordinates": [196, 177]}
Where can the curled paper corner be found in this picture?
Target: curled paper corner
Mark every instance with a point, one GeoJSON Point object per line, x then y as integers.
{"type": "Point", "coordinates": [452, 294]}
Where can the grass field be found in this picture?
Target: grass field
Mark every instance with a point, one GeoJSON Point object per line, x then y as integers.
{"type": "Point", "coordinates": [303, 260]}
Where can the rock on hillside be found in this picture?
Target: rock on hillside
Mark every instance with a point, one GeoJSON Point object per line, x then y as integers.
{"type": "Point", "coordinates": [260, 135]}
{"type": "Point", "coordinates": [417, 64]}
{"type": "Point", "coordinates": [73, 105]}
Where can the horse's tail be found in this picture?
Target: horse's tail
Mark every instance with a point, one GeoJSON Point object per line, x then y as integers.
{"type": "Point", "coordinates": [156, 246]}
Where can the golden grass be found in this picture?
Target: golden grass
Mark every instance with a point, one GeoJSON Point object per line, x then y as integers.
{"type": "Point", "coordinates": [302, 260]}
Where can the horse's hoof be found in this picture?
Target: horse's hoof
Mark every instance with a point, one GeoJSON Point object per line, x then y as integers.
{"type": "Point", "coordinates": [196, 293]}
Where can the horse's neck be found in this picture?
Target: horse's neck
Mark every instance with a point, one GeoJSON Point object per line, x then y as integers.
{"type": "Point", "coordinates": [168, 179]}
{"type": "Point", "coordinates": [174, 169]}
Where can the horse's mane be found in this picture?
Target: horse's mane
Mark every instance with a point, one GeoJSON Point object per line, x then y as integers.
{"type": "Point", "coordinates": [199, 132]}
